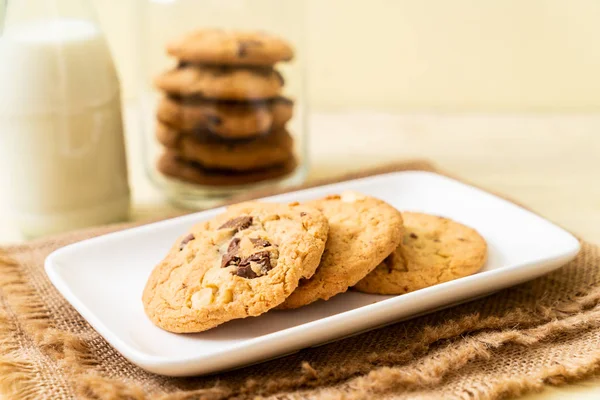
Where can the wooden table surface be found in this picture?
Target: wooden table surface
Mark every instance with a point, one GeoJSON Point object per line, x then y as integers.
{"type": "Point", "coordinates": [549, 163]}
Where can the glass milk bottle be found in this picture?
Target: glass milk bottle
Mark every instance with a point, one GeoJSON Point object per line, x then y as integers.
{"type": "Point", "coordinates": [62, 153]}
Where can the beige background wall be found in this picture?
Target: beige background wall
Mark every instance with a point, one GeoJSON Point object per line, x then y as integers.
{"type": "Point", "coordinates": [395, 55]}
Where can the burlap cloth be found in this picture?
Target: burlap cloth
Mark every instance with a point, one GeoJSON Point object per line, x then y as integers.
{"type": "Point", "coordinates": [546, 331]}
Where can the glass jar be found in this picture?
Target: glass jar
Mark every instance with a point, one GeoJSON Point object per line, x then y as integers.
{"type": "Point", "coordinates": [222, 97]}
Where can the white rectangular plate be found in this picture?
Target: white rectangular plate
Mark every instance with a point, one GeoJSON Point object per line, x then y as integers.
{"type": "Point", "coordinates": [103, 279]}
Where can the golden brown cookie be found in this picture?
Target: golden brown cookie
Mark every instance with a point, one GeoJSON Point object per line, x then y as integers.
{"type": "Point", "coordinates": [231, 120]}
{"type": "Point", "coordinates": [434, 250]}
{"type": "Point", "coordinates": [239, 264]}
{"type": "Point", "coordinates": [261, 152]}
{"type": "Point", "coordinates": [363, 230]}
{"type": "Point", "coordinates": [218, 46]}
{"type": "Point", "coordinates": [171, 165]}
{"type": "Point", "coordinates": [220, 82]}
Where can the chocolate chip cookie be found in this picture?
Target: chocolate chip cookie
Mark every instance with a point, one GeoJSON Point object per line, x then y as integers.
{"type": "Point", "coordinates": [239, 264]}
{"type": "Point", "coordinates": [362, 231]}
{"type": "Point", "coordinates": [221, 82]}
{"type": "Point", "coordinates": [261, 152]}
{"type": "Point", "coordinates": [217, 46]}
{"type": "Point", "coordinates": [228, 119]}
{"type": "Point", "coordinates": [171, 165]}
{"type": "Point", "coordinates": [434, 250]}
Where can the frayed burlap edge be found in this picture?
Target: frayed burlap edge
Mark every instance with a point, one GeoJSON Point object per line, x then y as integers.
{"type": "Point", "coordinates": [432, 369]}
{"type": "Point", "coordinates": [26, 326]}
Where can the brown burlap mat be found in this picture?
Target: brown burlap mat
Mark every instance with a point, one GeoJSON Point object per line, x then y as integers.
{"type": "Point", "coordinates": [546, 331]}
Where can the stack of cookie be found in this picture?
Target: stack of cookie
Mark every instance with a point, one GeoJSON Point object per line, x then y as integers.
{"type": "Point", "coordinates": [222, 120]}
{"type": "Point", "coordinates": [259, 256]}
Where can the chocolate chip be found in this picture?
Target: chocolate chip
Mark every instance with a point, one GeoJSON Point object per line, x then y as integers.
{"type": "Point", "coordinates": [260, 242]}
{"type": "Point", "coordinates": [239, 223]}
{"type": "Point", "coordinates": [244, 45]}
{"type": "Point", "coordinates": [234, 245]}
{"type": "Point", "coordinates": [186, 240]}
{"type": "Point", "coordinates": [229, 259]}
{"type": "Point", "coordinates": [413, 235]}
{"type": "Point", "coordinates": [214, 119]}
{"type": "Point", "coordinates": [245, 272]}
{"type": "Point", "coordinates": [262, 258]}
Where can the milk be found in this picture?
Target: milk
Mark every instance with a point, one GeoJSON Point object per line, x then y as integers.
{"type": "Point", "coordinates": [62, 159]}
